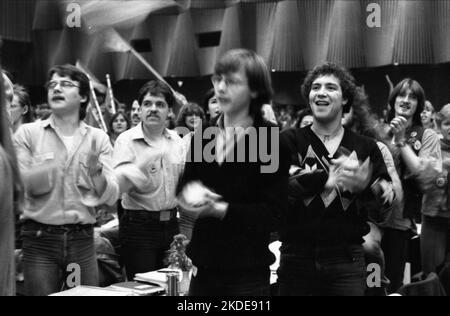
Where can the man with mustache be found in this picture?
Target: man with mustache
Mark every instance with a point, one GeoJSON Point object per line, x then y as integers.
{"type": "Point", "coordinates": [67, 172]}
{"type": "Point", "coordinates": [148, 163]}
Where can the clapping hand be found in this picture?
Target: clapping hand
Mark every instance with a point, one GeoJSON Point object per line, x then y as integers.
{"type": "Point", "coordinates": [398, 128]}
{"type": "Point", "coordinates": [199, 200]}
{"type": "Point", "coordinates": [351, 175]}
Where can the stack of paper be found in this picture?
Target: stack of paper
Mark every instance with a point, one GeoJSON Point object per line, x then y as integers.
{"type": "Point", "coordinates": [138, 289]}
{"type": "Point", "coordinates": [92, 291]}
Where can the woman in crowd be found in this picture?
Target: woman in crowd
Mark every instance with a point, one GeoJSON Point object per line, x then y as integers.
{"type": "Point", "coordinates": [240, 201]}
{"type": "Point", "coordinates": [9, 191]}
{"type": "Point", "coordinates": [428, 116]}
{"type": "Point", "coordinates": [211, 107]}
{"type": "Point", "coordinates": [436, 216]}
{"type": "Point", "coordinates": [416, 151]}
{"type": "Point", "coordinates": [191, 116]}
{"type": "Point", "coordinates": [21, 111]}
{"type": "Point", "coordinates": [119, 123]}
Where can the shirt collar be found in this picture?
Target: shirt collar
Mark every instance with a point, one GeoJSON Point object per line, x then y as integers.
{"type": "Point", "coordinates": [50, 122]}
{"type": "Point", "coordinates": [138, 133]}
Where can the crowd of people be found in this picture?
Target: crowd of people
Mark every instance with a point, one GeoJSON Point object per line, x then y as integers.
{"type": "Point", "coordinates": [348, 188]}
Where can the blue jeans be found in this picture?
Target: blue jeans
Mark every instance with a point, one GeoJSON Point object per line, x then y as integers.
{"type": "Point", "coordinates": [48, 252]}
{"type": "Point", "coordinates": [434, 243]}
{"type": "Point", "coordinates": [231, 283]}
{"type": "Point", "coordinates": [322, 271]}
{"type": "Point", "coordinates": [144, 241]}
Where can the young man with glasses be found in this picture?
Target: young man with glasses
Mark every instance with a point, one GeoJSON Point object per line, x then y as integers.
{"type": "Point", "coordinates": [66, 168]}
{"type": "Point", "coordinates": [240, 204]}
{"type": "Point", "coordinates": [148, 162]}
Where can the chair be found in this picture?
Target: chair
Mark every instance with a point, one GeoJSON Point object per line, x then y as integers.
{"type": "Point", "coordinates": [431, 286]}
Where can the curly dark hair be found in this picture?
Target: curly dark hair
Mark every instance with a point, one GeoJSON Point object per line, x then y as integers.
{"type": "Point", "coordinates": [346, 80]}
{"type": "Point", "coordinates": [418, 92]}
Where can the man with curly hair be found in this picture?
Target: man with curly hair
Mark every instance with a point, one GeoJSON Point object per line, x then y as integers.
{"type": "Point", "coordinates": [332, 168]}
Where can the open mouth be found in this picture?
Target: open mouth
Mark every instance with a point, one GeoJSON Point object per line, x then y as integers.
{"type": "Point", "coordinates": [322, 103]}
{"type": "Point", "coordinates": [58, 98]}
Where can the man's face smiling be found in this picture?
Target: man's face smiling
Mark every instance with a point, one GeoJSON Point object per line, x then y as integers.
{"type": "Point", "coordinates": [406, 103]}
{"type": "Point", "coordinates": [326, 98]}
{"type": "Point", "coordinates": [154, 110]}
{"type": "Point", "coordinates": [64, 99]}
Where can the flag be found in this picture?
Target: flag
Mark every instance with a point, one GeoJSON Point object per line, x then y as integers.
{"type": "Point", "coordinates": [111, 41]}
{"type": "Point", "coordinates": [101, 14]}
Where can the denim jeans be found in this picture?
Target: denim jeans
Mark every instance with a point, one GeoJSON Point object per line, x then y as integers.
{"type": "Point", "coordinates": [48, 254]}
{"type": "Point", "coordinates": [144, 241]}
{"type": "Point", "coordinates": [322, 271]}
{"type": "Point", "coordinates": [231, 283]}
{"type": "Point", "coordinates": [434, 242]}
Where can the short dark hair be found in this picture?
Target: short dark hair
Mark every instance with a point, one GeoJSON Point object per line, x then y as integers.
{"type": "Point", "coordinates": [24, 100]}
{"type": "Point", "coordinates": [346, 81]}
{"type": "Point", "coordinates": [257, 73]}
{"type": "Point", "coordinates": [155, 88]}
{"type": "Point", "coordinates": [418, 92]}
{"type": "Point", "coordinates": [76, 75]}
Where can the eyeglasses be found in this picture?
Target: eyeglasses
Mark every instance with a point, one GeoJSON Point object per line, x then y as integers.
{"type": "Point", "coordinates": [63, 84]}
{"type": "Point", "coordinates": [229, 82]}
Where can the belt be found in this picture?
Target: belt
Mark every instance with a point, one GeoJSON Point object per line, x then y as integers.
{"type": "Point", "coordinates": [56, 229]}
{"type": "Point", "coordinates": [161, 216]}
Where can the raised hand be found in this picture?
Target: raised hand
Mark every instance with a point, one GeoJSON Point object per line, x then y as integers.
{"type": "Point", "coordinates": [398, 128]}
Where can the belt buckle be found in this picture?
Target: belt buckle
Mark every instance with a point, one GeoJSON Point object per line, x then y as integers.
{"type": "Point", "coordinates": [164, 216]}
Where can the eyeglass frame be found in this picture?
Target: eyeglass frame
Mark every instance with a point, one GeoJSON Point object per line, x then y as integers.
{"type": "Point", "coordinates": [216, 79]}
{"type": "Point", "coordinates": [63, 84]}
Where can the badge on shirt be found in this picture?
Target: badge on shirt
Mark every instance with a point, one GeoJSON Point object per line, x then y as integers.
{"type": "Point", "coordinates": [153, 168]}
{"type": "Point", "coordinates": [440, 182]}
{"type": "Point", "coordinates": [413, 134]}
{"type": "Point", "coordinates": [417, 145]}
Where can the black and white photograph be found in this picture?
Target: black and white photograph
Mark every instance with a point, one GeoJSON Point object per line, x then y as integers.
{"type": "Point", "coordinates": [225, 153]}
